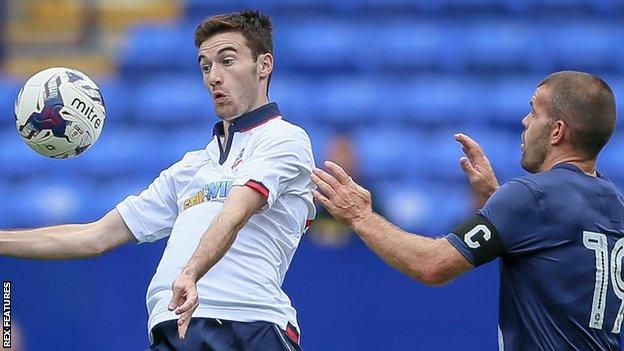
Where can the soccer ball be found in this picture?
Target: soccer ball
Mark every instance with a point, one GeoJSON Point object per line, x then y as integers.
{"type": "Point", "coordinates": [59, 112]}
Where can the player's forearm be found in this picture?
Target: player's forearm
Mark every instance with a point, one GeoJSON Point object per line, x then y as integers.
{"type": "Point", "coordinates": [414, 255]}
{"type": "Point", "coordinates": [215, 242]}
{"type": "Point", "coordinates": [60, 242]}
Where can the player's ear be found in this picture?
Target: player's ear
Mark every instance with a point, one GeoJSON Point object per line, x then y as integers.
{"type": "Point", "coordinates": [265, 65]}
{"type": "Point", "coordinates": [557, 134]}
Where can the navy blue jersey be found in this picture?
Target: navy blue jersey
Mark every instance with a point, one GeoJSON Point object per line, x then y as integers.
{"type": "Point", "coordinates": [560, 238]}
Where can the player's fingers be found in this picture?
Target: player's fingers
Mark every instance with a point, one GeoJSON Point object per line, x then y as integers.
{"type": "Point", "coordinates": [467, 166]}
{"type": "Point", "coordinates": [322, 199]}
{"type": "Point", "coordinates": [362, 190]}
{"type": "Point", "coordinates": [338, 172]}
{"type": "Point", "coordinates": [325, 188]}
{"type": "Point", "coordinates": [470, 147]}
{"type": "Point", "coordinates": [327, 178]}
{"type": "Point", "coordinates": [183, 324]}
{"type": "Point", "coordinates": [184, 320]}
{"type": "Point", "coordinates": [175, 299]}
{"type": "Point", "coordinates": [191, 300]}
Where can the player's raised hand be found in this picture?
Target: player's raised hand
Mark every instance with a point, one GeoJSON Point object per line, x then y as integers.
{"type": "Point", "coordinates": [477, 167]}
{"type": "Point", "coordinates": [184, 301]}
{"type": "Point", "coordinates": [344, 199]}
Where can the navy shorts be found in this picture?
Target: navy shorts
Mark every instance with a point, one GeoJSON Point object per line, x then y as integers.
{"type": "Point", "coordinates": [208, 334]}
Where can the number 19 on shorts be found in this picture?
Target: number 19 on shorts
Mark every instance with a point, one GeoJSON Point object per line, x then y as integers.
{"type": "Point", "coordinates": [597, 242]}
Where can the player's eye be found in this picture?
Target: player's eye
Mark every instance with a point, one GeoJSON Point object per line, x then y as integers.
{"type": "Point", "coordinates": [205, 68]}
{"type": "Point", "coordinates": [228, 61]}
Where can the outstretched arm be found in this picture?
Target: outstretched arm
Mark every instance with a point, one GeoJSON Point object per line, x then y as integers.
{"type": "Point", "coordinates": [67, 241]}
{"type": "Point", "coordinates": [430, 261]}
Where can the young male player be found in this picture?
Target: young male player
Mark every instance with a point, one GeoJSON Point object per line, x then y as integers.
{"type": "Point", "coordinates": [234, 212]}
{"type": "Point", "coordinates": [559, 232]}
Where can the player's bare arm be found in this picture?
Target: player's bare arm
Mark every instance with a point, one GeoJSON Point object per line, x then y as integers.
{"type": "Point", "coordinates": [477, 168]}
{"type": "Point", "coordinates": [430, 261]}
{"type": "Point", "coordinates": [67, 241]}
{"type": "Point", "coordinates": [239, 206]}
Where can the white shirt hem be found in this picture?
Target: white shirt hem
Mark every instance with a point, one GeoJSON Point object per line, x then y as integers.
{"type": "Point", "coordinates": [222, 313]}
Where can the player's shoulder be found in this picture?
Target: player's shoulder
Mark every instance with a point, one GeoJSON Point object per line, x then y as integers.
{"type": "Point", "coordinates": [520, 190]}
{"type": "Point", "coordinates": [547, 181]}
{"type": "Point", "coordinates": [279, 130]}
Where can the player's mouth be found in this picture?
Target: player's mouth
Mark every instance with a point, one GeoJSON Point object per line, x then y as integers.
{"type": "Point", "coordinates": [218, 96]}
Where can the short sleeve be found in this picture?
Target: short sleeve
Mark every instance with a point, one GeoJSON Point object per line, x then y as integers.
{"type": "Point", "coordinates": [509, 223]}
{"type": "Point", "coordinates": [150, 215]}
{"type": "Point", "coordinates": [278, 164]}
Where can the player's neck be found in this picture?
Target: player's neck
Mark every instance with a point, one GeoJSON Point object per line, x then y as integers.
{"type": "Point", "coordinates": [263, 100]}
{"type": "Point", "coordinates": [587, 166]}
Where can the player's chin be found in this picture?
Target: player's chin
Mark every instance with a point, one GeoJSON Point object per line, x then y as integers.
{"type": "Point", "coordinates": [225, 112]}
{"type": "Point", "coordinates": [527, 165]}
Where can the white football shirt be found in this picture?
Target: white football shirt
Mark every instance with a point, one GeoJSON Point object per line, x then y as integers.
{"type": "Point", "coordinates": [264, 152]}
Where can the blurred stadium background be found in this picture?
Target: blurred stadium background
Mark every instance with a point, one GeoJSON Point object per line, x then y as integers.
{"type": "Point", "coordinates": [382, 84]}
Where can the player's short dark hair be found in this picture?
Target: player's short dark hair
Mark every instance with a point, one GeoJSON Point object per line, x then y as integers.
{"type": "Point", "coordinates": [587, 104]}
{"type": "Point", "coordinates": [253, 25]}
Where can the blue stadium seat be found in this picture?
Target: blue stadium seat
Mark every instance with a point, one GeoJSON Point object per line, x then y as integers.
{"type": "Point", "coordinates": [17, 160]}
{"type": "Point", "coordinates": [175, 143]}
{"type": "Point", "coordinates": [122, 154]}
{"type": "Point", "coordinates": [428, 208]}
{"type": "Point", "coordinates": [157, 48]}
{"type": "Point", "coordinates": [348, 100]}
{"type": "Point", "coordinates": [616, 82]}
{"type": "Point", "coordinates": [52, 200]}
{"type": "Point", "coordinates": [400, 6]}
{"type": "Point", "coordinates": [583, 45]}
{"type": "Point", "coordinates": [318, 45]}
{"type": "Point", "coordinates": [408, 45]}
{"type": "Point", "coordinates": [8, 93]}
{"type": "Point", "coordinates": [319, 137]}
{"type": "Point", "coordinates": [442, 154]}
{"type": "Point", "coordinates": [197, 10]}
{"type": "Point", "coordinates": [608, 6]}
{"type": "Point", "coordinates": [6, 207]}
{"type": "Point", "coordinates": [437, 99]}
{"type": "Point", "coordinates": [296, 96]}
{"type": "Point", "coordinates": [390, 152]}
{"type": "Point", "coordinates": [117, 100]}
{"type": "Point", "coordinates": [571, 6]}
{"type": "Point", "coordinates": [109, 194]}
{"type": "Point", "coordinates": [500, 45]}
{"type": "Point", "coordinates": [170, 100]}
{"type": "Point", "coordinates": [610, 159]}
{"type": "Point", "coordinates": [506, 100]}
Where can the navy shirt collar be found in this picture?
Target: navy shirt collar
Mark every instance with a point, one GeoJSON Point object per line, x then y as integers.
{"type": "Point", "coordinates": [249, 120]}
{"type": "Point", "coordinates": [574, 168]}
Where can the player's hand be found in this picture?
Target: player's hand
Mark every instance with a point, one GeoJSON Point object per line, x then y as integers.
{"type": "Point", "coordinates": [477, 167]}
{"type": "Point", "coordinates": [184, 301]}
{"type": "Point", "coordinates": [344, 199]}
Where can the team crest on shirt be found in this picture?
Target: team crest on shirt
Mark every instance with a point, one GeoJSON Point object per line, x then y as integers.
{"type": "Point", "coordinates": [239, 159]}
{"type": "Point", "coordinates": [210, 191]}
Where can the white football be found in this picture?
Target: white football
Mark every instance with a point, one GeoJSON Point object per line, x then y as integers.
{"type": "Point", "coordinates": [59, 112]}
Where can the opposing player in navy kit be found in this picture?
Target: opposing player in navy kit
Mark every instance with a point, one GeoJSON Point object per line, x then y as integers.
{"type": "Point", "coordinates": [559, 232]}
{"type": "Point", "coordinates": [234, 212]}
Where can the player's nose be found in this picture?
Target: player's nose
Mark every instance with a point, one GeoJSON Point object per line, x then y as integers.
{"type": "Point", "coordinates": [214, 78]}
{"type": "Point", "coordinates": [525, 121]}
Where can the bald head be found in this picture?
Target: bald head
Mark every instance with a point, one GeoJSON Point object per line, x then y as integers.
{"type": "Point", "coordinates": [586, 104]}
